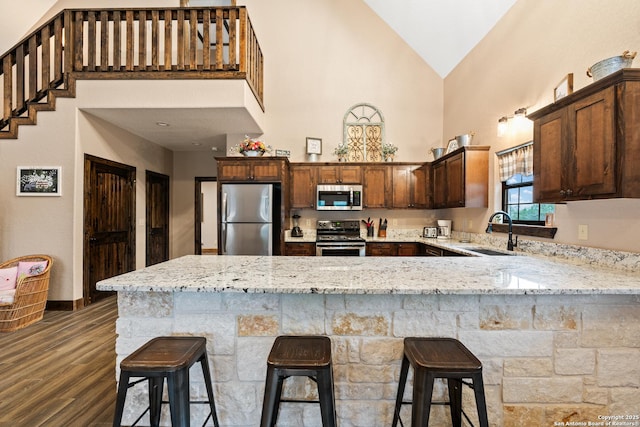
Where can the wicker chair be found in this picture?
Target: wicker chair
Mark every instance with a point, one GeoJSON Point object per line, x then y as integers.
{"type": "Point", "coordinates": [30, 298]}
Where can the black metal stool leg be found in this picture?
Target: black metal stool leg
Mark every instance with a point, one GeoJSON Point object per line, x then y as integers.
{"type": "Point", "coordinates": [326, 397]}
{"type": "Point", "coordinates": [455, 401]}
{"type": "Point", "coordinates": [123, 385]}
{"type": "Point", "coordinates": [422, 392]}
{"type": "Point", "coordinates": [178, 384]}
{"type": "Point", "coordinates": [404, 371]}
{"type": "Point", "coordinates": [478, 389]}
{"type": "Point", "coordinates": [207, 382]}
{"type": "Point", "coordinates": [156, 388]}
{"type": "Point", "coordinates": [270, 398]}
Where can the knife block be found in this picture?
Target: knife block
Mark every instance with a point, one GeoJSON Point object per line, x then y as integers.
{"type": "Point", "coordinates": [382, 232]}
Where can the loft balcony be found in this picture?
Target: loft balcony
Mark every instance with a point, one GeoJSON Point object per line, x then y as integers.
{"type": "Point", "coordinates": [148, 43]}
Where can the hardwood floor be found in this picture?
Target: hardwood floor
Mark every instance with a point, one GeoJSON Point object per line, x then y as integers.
{"type": "Point", "coordinates": [61, 370]}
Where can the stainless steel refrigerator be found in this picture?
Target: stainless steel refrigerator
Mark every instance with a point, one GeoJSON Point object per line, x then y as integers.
{"type": "Point", "coordinates": [248, 214]}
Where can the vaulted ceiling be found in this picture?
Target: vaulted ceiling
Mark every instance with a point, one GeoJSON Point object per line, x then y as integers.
{"type": "Point", "coordinates": [442, 32]}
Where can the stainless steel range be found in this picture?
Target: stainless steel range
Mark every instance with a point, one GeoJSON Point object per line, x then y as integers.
{"type": "Point", "coordinates": [339, 238]}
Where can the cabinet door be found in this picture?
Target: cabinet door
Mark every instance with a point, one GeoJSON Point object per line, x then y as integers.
{"type": "Point", "coordinates": [233, 171]}
{"type": "Point", "coordinates": [401, 179]}
{"type": "Point", "coordinates": [419, 181]}
{"type": "Point", "coordinates": [249, 170]}
{"type": "Point", "coordinates": [440, 185]}
{"type": "Point", "coordinates": [303, 186]}
{"type": "Point", "coordinates": [350, 175]}
{"type": "Point", "coordinates": [548, 168]}
{"type": "Point", "coordinates": [455, 181]}
{"type": "Point", "coordinates": [594, 145]}
{"type": "Point", "coordinates": [407, 249]}
{"type": "Point", "coordinates": [376, 183]}
{"type": "Point", "coordinates": [381, 249]}
{"type": "Point", "coordinates": [266, 170]}
{"type": "Point", "coordinates": [300, 249]}
{"type": "Point", "coordinates": [338, 174]}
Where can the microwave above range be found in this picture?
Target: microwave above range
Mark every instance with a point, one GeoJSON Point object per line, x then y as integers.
{"type": "Point", "coordinates": [343, 197]}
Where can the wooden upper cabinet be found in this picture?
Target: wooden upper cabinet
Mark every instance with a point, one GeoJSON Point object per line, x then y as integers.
{"type": "Point", "coordinates": [587, 145]}
{"type": "Point", "coordinates": [409, 183]}
{"type": "Point", "coordinates": [461, 178]}
{"type": "Point", "coordinates": [263, 169]}
{"type": "Point", "coordinates": [303, 186]}
{"type": "Point", "coordinates": [339, 174]}
{"type": "Point", "coordinates": [376, 185]}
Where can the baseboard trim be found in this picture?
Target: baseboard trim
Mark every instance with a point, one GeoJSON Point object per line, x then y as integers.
{"type": "Point", "coordinates": [65, 305]}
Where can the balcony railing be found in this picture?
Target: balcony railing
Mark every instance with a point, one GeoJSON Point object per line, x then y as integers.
{"type": "Point", "coordinates": [174, 43]}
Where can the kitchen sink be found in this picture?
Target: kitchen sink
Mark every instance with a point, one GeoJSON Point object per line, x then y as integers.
{"type": "Point", "coordinates": [492, 252]}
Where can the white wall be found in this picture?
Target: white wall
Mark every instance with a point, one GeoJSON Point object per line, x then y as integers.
{"type": "Point", "coordinates": [323, 57]}
{"type": "Point", "coordinates": [518, 64]}
{"type": "Point", "coordinates": [209, 231]}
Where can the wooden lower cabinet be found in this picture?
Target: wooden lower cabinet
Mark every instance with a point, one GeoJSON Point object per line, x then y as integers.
{"type": "Point", "coordinates": [429, 250]}
{"type": "Point", "coordinates": [381, 249]}
{"type": "Point", "coordinates": [392, 249]}
{"type": "Point", "coordinates": [300, 249]}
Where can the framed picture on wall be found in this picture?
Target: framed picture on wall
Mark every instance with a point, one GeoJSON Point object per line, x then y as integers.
{"type": "Point", "coordinates": [564, 88]}
{"type": "Point", "coordinates": [39, 181]}
{"type": "Point", "coordinates": [314, 145]}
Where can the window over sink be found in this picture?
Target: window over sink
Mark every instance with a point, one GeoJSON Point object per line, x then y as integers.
{"type": "Point", "coordinates": [517, 201]}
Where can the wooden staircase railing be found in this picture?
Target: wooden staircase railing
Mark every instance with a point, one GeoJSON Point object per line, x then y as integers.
{"type": "Point", "coordinates": [174, 43]}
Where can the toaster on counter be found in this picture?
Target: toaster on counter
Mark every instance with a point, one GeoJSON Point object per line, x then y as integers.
{"type": "Point", "coordinates": [431, 232]}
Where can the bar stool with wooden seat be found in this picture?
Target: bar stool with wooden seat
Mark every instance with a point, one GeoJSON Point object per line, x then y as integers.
{"type": "Point", "coordinates": [170, 358]}
{"type": "Point", "coordinates": [299, 356]}
{"type": "Point", "coordinates": [439, 358]}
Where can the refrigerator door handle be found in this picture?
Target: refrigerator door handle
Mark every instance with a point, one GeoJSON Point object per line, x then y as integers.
{"type": "Point", "coordinates": [223, 239]}
{"type": "Point", "coordinates": [223, 209]}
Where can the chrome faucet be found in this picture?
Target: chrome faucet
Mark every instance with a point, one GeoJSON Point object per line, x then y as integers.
{"type": "Point", "coordinates": [510, 244]}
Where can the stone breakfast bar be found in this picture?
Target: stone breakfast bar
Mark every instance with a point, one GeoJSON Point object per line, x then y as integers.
{"type": "Point", "coordinates": [559, 341]}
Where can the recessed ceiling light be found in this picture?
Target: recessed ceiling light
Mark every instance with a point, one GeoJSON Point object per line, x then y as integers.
{"type": "Point", "coordinates": [196, 144]}
{"type": "Point", "coordinates": [163, 124]}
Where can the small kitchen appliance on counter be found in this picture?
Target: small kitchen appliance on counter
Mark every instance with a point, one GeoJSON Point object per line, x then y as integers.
{"type": "Point", "coordinates": [444, 228]}
{"type": "Point", "coordinates": [430, 232]}
{"type": "Point", "coordinates": [339, 238]}
{"type": "Point", "coordinates": [296, 231]}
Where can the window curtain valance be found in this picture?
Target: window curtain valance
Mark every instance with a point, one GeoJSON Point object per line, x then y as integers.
{"type": "Point", "coordinates": [516, 160]}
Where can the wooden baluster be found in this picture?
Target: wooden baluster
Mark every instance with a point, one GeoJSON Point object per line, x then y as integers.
{"type": "Point", "coordinates": [168, 37]}
{"type": "Point", "coordinates": [142, 40]}
{"type": "Point", "coordinates": [181, 40]}
{"type": "Point", "coordinates": [219, 40]}
{"type": "Point", "coordinates": [117, 41]}
{"type": "Point", "coordinates": [45, 62]}
{"type": "Point", "coordinates": [243, 41]}
{"type": "Point", "coordinates": [206, 39]}
{"type": "Point", "coordinates": [20, 79]}
{"type": "Point", "coordinates": [33, 67]}
{"type": "Point", "coordinates": [129, 66]}
{"type": "Point", "coordinates": [7, 71]}
{"type": "Point", "coordinates": [91, 41]}
{"type": "Point", "coordinates": [233, 19]}
{"type": "Point", "coordinates": [58, 49]}
{"type": "Point", "coordinates": [193, 39]}
{"type": "Point", "coordinates": [155, 40]}
{"type": "Point", "coordinates": [77, 41]}
{"type": "Point", "coordinates": [104, 41]}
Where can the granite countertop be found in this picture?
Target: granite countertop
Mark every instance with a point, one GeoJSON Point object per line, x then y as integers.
{"type": "Point", "coordinates": [507, 275]}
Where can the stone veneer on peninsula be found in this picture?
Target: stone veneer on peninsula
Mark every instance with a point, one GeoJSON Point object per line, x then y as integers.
{"type": "Point", "coordinates": [559, 341]}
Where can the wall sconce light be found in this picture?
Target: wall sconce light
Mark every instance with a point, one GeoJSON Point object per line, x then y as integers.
{"type": "Point", "coordinates": [503, 125]}
{"type": "Point", "coordinates": [518, 117]}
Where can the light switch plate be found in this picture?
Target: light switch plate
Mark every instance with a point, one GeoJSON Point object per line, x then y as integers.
{"type": "Point", "coordinates": [583, 232]}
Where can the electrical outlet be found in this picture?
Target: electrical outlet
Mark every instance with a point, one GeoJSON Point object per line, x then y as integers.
{"type": "Point", "coordinates": [583, 232]}
{"type": "Point", "coordinates": [394, 222]}
{"type": "Point", "coordinates": [469, 225]}
{"type": "Point", "coordinates": [308, 223]}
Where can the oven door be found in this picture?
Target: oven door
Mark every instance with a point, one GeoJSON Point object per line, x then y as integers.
{"type": "Point", "coordinates": [340, 249]}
